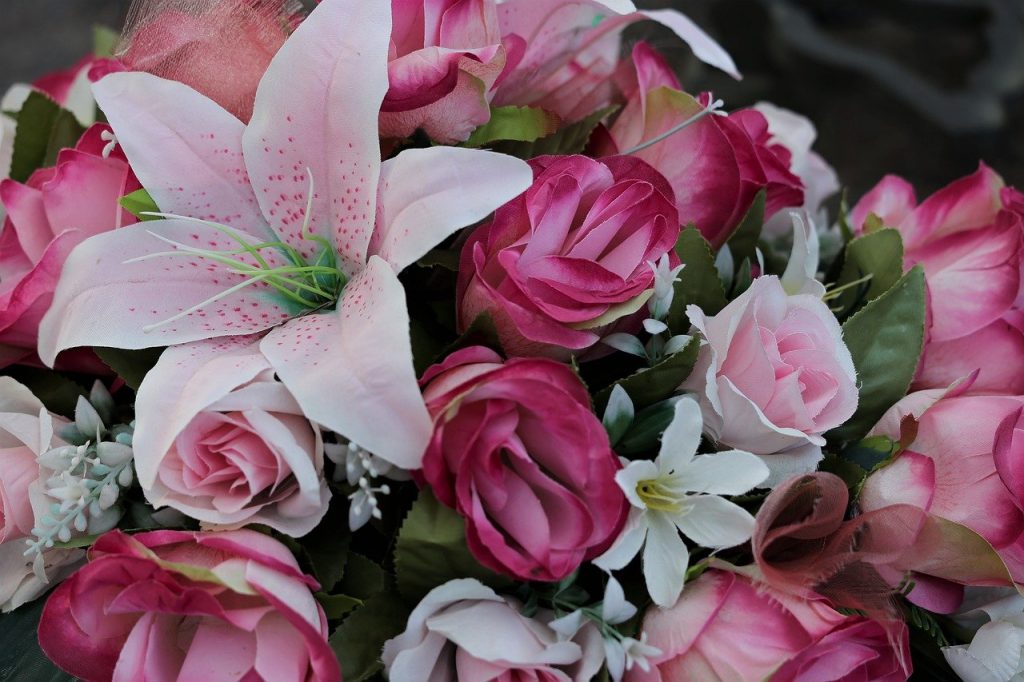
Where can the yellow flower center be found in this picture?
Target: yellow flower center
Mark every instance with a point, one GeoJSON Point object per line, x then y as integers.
{"type": "Point", "coordinates": [658, 496]}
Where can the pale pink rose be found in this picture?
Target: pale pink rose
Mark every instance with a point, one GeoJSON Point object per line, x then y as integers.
{"type": "Point", "coordinates": [463, 631]}
{"type": "Point", "coordinates": [221, 49]}
{"type": "Point", "coordinates": [445, 55]}
{"type": "Point", "coordinates": [962, 467]}
{"type": "Point", "coordinates": [782, 637]}
{"type": "Point", "coordinates": [26, 431]}
{"type": "Point", "coordinates": [219, 438]}
{"type": "Point", "coordinates": [968, 238]}
{"type": "Point", "coordinates": [517, 451]}
{"type": "Point", "coordinates": [716, 165]}
{"type": "Point", "coordinates": [54, 211]}
{"type": "Point", "coordinates": [563, 261]}
{"type": "Point", "coordinates": [171, 605]}
{"type": "Point", "coordinates": [797, 134]}
{"type": "Point", "coordinates": [773, 376]}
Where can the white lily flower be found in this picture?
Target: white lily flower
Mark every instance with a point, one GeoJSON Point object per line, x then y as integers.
{"type": "Point", "coordinates": [622, 655]}
{"type": "Point", "coordinates": [679, 492]}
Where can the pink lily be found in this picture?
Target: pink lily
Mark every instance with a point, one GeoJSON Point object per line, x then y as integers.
{"type": "Point", "coordinates": [291, 224]}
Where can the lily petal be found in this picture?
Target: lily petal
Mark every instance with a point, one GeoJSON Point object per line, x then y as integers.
{"type": "Point", "coordinates": [361, 356]}
{"type": "Point", "coordinates": [665, 561]}
{"type": "Point", "coordinates": [682, 437]}
{"type": "Point", "coordinates": [715, 522]}
{"type": "Point", "coordinates": [316, 108]}
{"type": "Point", "coordinates": [733, 472]}
{"type": "Point", "coordinates": [428, 194]}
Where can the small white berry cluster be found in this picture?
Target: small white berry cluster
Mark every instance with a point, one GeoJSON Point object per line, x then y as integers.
{"type": "Point", "coordinates": [86, 476]}
{"type": "Point", "coordinates": [360, 467]}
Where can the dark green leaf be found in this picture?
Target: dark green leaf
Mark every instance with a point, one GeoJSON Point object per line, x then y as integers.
{"type": "Point", "coordinates": [885, 339]}
{"type": "Point", "coordinates": [138, 203]}
{"type": "Point", "coordinates": [743, 279]}
{"type": "Point", "coordinates": [657, 383]}
{"type": "Point", "coordinates": [21, 658]}
{"type": "Point", "coordinates": [337, 605]}
{"type": "Point", "coordinates": [870, 452]}
{"type": "Point", "coordinates": [571, 139]}
{"type": "Point", "coordinates": [442, 258]}
{"type": "Point", "coordinates": [648, 425]}
{"type": "Point", "coordinates": [130, 365]}
{"type": "Point", "coordinates": [56, 391]}
{"type": "Point", "coordinates": [431, 550]}
{"type": "Point", "coordinates": [359, 640]}
{"type": "Point", "coordinates": [520, 124]}
{"type": "Point", "coordinates": [844, 219]}
{"type": "Point", "coordinates": [929, 663]}
{"type": "Point", "coordinates": [698, 283]}
{"type": "Point", "coordinates": [104, 41]}
{"type": "Point", "coordinates": [851, 473]}
{"type": "Point", "coordinates": [743, 242]}
{"type": "Point", "coordinates": [481, 332]}
{"type": "Point", "coordinates": [326, 546]}
{"type": "Point", "coordinates": [43, 129]}
{"type": "Point", "coordinates": [878, 255]}
{"type": "Point", "coordinates": [363, 578]}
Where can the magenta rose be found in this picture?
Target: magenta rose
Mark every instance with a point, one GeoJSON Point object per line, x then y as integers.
{"type": "Point", "coordinates": [171, 605]}
{"type": "Point", "coordinates": [968, 238]}
{"type": "Point", "coordinates": [221, 49]}
{"type": "Point", "coordinates": [784, 638]}
{"type": "Point", "coordinates": [219, 438]}
{"type": "Point", "coordinates": [716, 165]}
{"type": "Point", "coordinates": [445, 55]}
{"type": "Point", "coordinates": [963, 466]}
{"type": "Point", "coordinates": [517, 451]}
{"type": "Point", "coordinates": [561, 263]}
{"type": "Point", "coordinates": [49, 215]}
{"type": "Point", "coordinates": [773, 375]}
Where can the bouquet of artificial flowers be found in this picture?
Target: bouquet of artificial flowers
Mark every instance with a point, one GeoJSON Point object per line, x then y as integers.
{"type": "Point", "coordinates": [455, 340]}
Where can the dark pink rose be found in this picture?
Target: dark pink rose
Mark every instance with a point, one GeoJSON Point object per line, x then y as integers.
{"type": "Point", "coordinates": [716, 165]}
{"type": "Point", "coordinates": [49, 215]}
{"type": "Point", "coordinates": [968, 238]}
{"type": "Point", "coordinates": [445, 55]}
{"type": "Point", "coordinates": [189, 606]}
{"type": "Point", "coordinates": [517, 451]}
{"type": "Point", "coordinates": [569, 257]}
{"type": "Point", "coordinates": [727, 627]}
{"type": "Point", "coordinates": [219, 48]}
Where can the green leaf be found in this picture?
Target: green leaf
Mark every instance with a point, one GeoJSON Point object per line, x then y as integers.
{"type": "Point", "coordinates": [743, 242]}
{"type": "Point", "coordinates": [885, 339]}
{"type": "Point", "coordinates": [21, 658]}
{"type": "Point", "coordinates": [138, 203]}
{"type": "Point", "coordinates": [337, 605]}
{"type": "Point", "coordinates": [851, 473]}
{"type": "Point", "coordinates": [358, 641]}
{"type": "Point", "coordinates": [431, 550]}
{"type": "Point", "coordinates": [363, 578]}
{"type": "Point", "coordinates": [327, 545]}
{"type": "Point", "coordinates": [521, 124]}
{"type": "Point", "coordinates": [130, 365]}
{"type": "Point", "coordinates": [618, 415]}
{"type": "Point", "coordinates": [844, 219]}
{"type": "Point", "coordinates": [441, 258]}
{"type": "Point", "coordinates": [699, 283]}
{"type": "Point", "coordinates": [645, 433]}
{"type": "Point", "coordinates": [870, 452]}
{"type": "Point", "coordinates": [656, 383]}
{"type": "Point", "coordinates": [58, 393]}
{"type": "Point", "coordinates": [879, 256]}
{"type": "Point", "coordinates": [481, 332]}
{"type": "Point", "coordinates": [571, 139]}
{"type": "Point", "coordinates": [43, 129]}
{"type": "Point", "coordinates": [104, 40]}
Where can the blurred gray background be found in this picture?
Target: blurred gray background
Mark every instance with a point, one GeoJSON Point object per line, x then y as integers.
{"type": "Point", "coordinates": [922, 88]}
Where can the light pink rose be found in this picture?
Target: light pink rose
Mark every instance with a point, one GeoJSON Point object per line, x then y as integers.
{"type": "Point", "coordinates": [464, 631]}
{"type": "Point", "coordinates": [716, 165]}
{"type": "Point", "coordinates": [53, 212]}
{"type": "Point", "coordinates": [968, 238]}
{"type": "Point", "coordinates": [569, 257]}
{"type": "Point", "coordinates": [962, 466]}
{"type": "Point", "coordinates": [221, 49]}
{"type": "Point", "coordinates": [444, 57]}
{"type": "Point", "coordinates": [517, 451]}
{"type": "Point", "coordinates": [773, 375]}
{"type": "Point", "coordinates": [219, 438]}
{"type": "Point", "coordinates": [170, 605]}
{"type": "Point", "coordinates": [26, 431]}
{"type": "Point", "coordinates": [780, 637]}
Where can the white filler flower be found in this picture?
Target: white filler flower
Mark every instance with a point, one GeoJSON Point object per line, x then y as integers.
{"type": "Point", "coordinates": [679, 492]}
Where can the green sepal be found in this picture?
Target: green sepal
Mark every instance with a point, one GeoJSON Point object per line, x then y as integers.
{"type": "Point", "coordinates": [139, 203]}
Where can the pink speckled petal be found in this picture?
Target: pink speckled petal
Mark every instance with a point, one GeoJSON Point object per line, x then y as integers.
{"type": "Point", "coordinates": [316, 109]}
{"type": "Point", "coordinates": [185, 149]}
{"type": "Point", "coordinates": [103, 301]}
{"type": "Point", "coordinates": [427, 194]}
{"type": "Point", "coordinates": [361, 355]}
